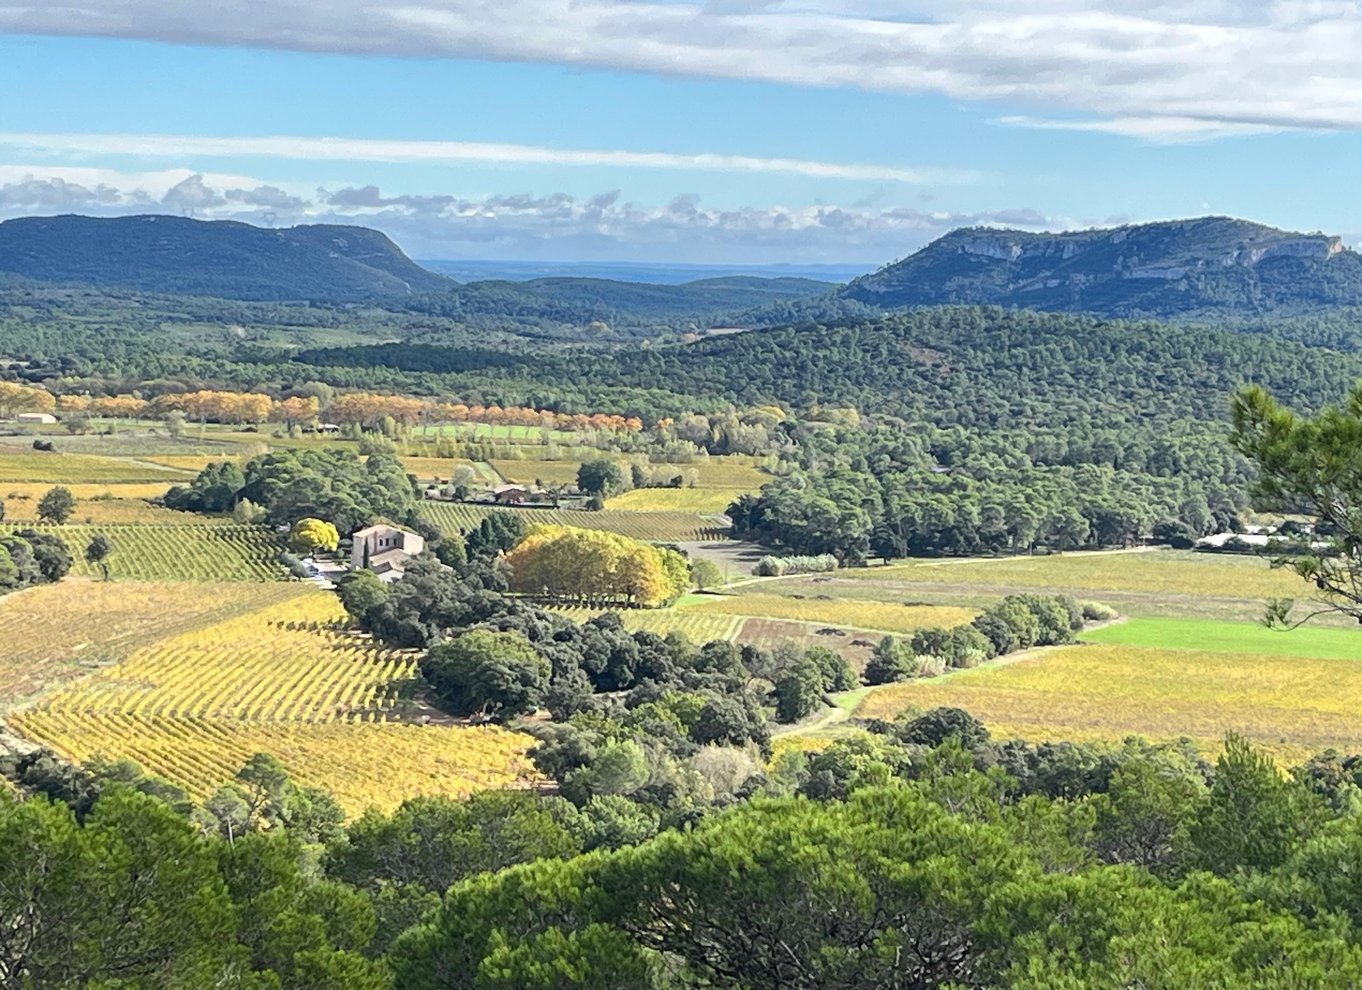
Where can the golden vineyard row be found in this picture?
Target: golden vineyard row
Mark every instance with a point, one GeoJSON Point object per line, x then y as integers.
{"type": "Point", "coordinates": [287, 679]}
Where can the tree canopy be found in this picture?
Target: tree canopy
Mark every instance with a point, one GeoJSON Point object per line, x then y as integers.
{"type": "Point", "coordinates": [596, 567]}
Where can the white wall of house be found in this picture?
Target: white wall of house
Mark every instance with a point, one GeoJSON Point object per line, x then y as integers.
{"type": "Point", "coordinates": [381, 539]}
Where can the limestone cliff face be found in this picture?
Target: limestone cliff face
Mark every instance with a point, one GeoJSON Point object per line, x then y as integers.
{"type": "Point", "coordinates": [1012, 246]}
{"type": "Point", "coordinates": [1082, 270]}
{"type": "Point", "coordinates": [998, 247]}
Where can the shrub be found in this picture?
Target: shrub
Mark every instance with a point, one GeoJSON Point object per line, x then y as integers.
{"type": "Point", "coordinates": [891, 661]}
{"type": "Point", "coordinates": [930, 666]}
{"type": "Point", "coordinates": [773, 566]}
{"type": "Point", "coordinates": [1097, 612]}
{"type": "Point", "coordinates": [936, 726]}
{"type": "Point", "coordinates": [295, 566]}
{"type": "Point", "coordinates": [799, 692]}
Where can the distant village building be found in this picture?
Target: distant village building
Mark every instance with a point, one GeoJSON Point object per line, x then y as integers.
{"type": "Point", "coordinates": [46, 419]}
{"type": "Point", "coordinates": [385, 550]}
{"type": "Point", "coordinates": [510, 494]}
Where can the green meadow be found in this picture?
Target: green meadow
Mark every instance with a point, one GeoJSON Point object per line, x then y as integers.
{"type": "Point", "coordinates": [1323, 643]}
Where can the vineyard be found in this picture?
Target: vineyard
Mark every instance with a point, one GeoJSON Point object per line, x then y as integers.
{"type": "Point", "coordinates": [362, 765]}
{"type": "Point", "coordinates": [707, 501]}
{"type": "Point", "coordinates": [1148, 572]}
{"type": "Point", "coordinates": [695, 626]}
{"type": "Point", "coordinates": [192, 552]}
{"type": "Point", "coordinates": [660, 527]}
{"type": "Point", "coordinates": [886, 616]}
{"type": "Point", "coordinates": [97, 504]}
{"type": "Point", "coordinates": [55, 632]}
{"type": "Point", "coordinates": [1292, 706]}
{"type": "Point", "coordinates": [744, 619]}
{"type": "Point", "coordinates": [288, 679]}
{"type": "Point", "coordinates": [290, 661]}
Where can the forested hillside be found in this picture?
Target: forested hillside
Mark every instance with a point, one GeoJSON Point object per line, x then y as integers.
{"type": "Point", "coordinates": [212, 258]}
{"type": "Point", "coordinates": [336, 266]}
{"type": "Point", "coordinates": [950, 430]}
{"type": "Point", "coordinates": [591, 302]}
{"type": "Point", "coordinates": [1211, 269]}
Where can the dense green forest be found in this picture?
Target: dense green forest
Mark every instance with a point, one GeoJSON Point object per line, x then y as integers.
{"type": "Point", "coordinates": [212, 258]}
{"type": "Point", "coordinates": [923, 855]}
{"type": "Point", "coordinates": [974, 429]}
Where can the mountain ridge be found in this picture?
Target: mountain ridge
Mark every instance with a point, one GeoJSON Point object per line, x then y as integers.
{"type": "Point", "coordinates": [1168, 268]}
{"type": "Point", "coordinates": [222, 258]}
{"type": "Point", "coordinates": [1199, 268]}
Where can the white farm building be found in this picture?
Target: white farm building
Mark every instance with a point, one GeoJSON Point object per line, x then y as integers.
{"type": "Point", "coordinates": [385, 550]}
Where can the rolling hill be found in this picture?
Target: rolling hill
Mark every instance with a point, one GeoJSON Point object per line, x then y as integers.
{"type": "Point", "coordinates": [224, 259]}
{"type": "Point", "coordinates": [583, 300]}
{"type": "Point", "coordinates": [1207, 266]}
{"type": "Point", "coordinates": [176, 256]}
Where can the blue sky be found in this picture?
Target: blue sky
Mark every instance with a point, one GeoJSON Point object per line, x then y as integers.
{"type": "Point", "coordinates": [727, 131]}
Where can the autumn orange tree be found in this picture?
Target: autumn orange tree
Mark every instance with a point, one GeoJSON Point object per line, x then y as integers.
{"type": "Point", "coordinates": [208, 406]}
{"type": "Point", "coordinates": [16, 398]}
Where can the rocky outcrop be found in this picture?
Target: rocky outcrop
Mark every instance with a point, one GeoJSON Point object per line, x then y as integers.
{"type": "Point", "coordinates": [1212, 261]}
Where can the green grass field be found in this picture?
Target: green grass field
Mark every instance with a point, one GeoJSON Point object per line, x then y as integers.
{"type": "Point", "coordinates": [58, 468]}
{"type": "Point", "coordinates": [1322, 643]}
{"type": "Point", "coordinates": [179, 553]}
{"type": "Point", "coordinates": [528, 472]}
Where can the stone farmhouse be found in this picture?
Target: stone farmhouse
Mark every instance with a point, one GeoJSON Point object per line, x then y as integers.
{"type": "Point", "coordinates": [385, 550]}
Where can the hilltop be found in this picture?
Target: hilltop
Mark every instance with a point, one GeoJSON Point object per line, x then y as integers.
{"type": "Point", "coordinates": [1208, 266]}
{"type": "Point", "coordinates": [1211, 269]}
{"type": "Point", "coordinates": [225, 259]}
{"type": "Point", "coordinates": [337, 265]}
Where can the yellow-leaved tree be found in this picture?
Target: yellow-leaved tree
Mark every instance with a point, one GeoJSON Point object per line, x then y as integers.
{"type": "Point", "coordinates": [596, 568]}
{"type": "Point", "coordinates": [311, 535]}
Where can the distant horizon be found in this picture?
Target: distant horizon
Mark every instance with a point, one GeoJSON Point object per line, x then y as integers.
{"type": "Point", "coordinates": [647, 272]}
{"type": "Point", "coordinates": [840, 270]}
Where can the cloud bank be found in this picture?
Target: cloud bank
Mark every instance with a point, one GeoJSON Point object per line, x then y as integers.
{"type": "Point", "coordinates": [554, 226]}
{"type": "Point", "coordinates": [436, 152]}
{"type": "Point", "coordinates": [1154, 70]}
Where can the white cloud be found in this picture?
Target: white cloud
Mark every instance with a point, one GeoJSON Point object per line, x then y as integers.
{"type": "Point", "coordinates": [38, 189]}
{"type": "Point", "coordinates": [378, 150]}
{"type": "Point", "coordinates": [1163, 130]}
{"type": "Point", "coordinates": [1226, 64]}
{"type": "Point", "coordinates": [553, 226]}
